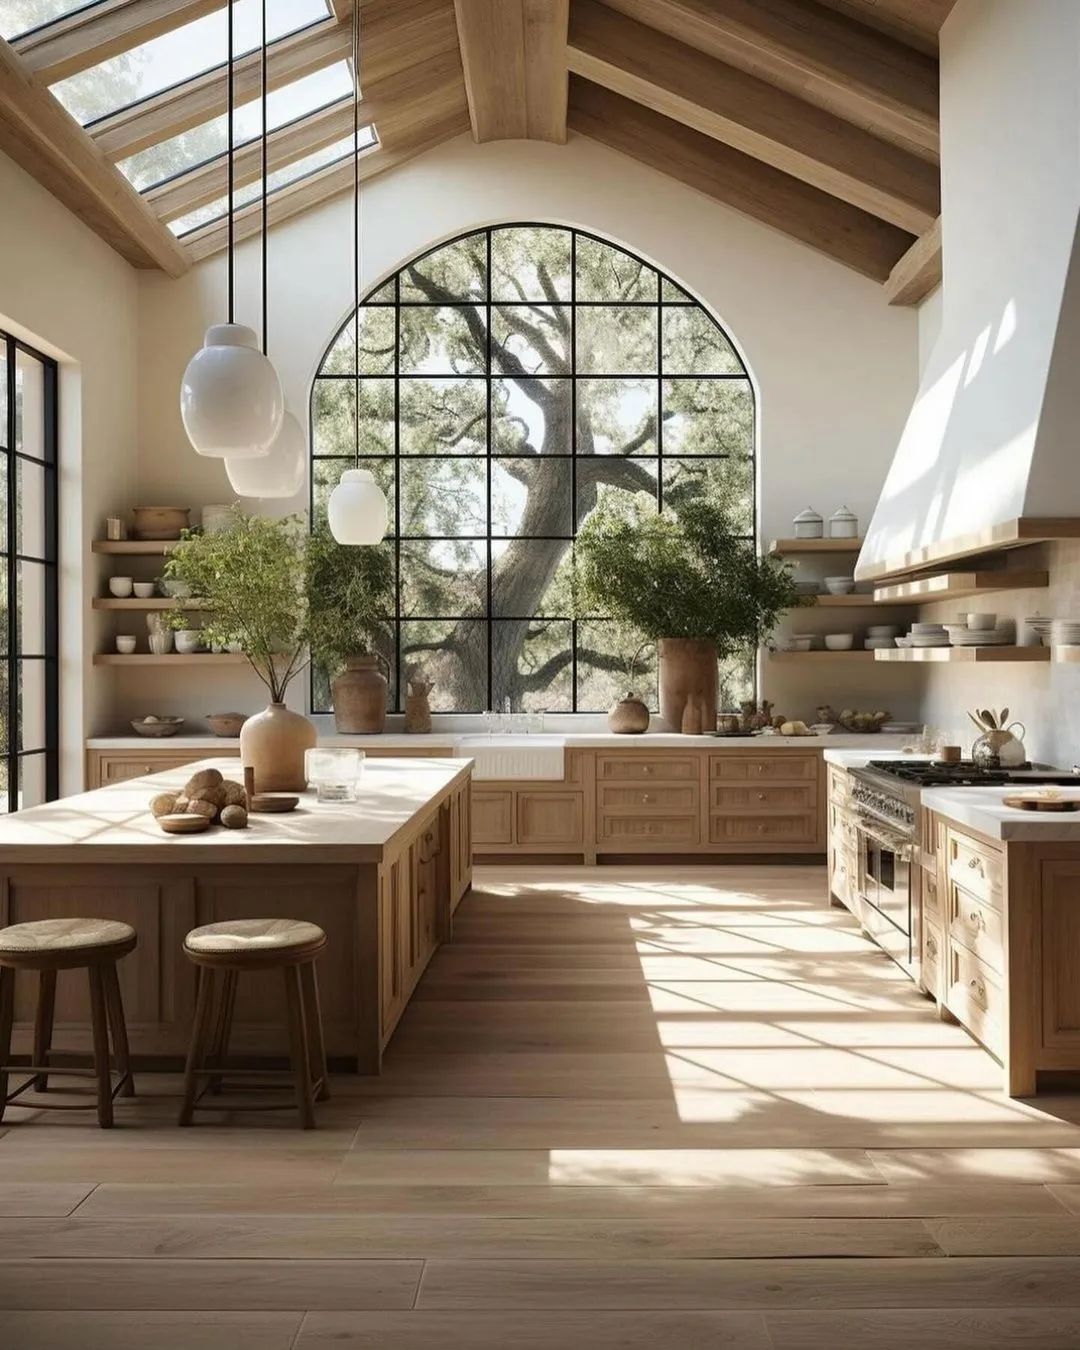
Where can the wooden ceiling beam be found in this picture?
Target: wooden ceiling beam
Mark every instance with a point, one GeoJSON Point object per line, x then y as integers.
{"type": "Point", "coordinates": [823, 57]}
{"type": "Point", "coordinates": [330, 182]}
{"type": "Point", "coordinates": [752, 116]}
{"type": "Point", "coordinates": [918, 272]}
{"type": "Point", "coordinates": [842, 232]}
{"type": "Point", "coordinates": [514, 56]}
{"type": "Point", "coordinates": [915, 22]}
{"type": "Point", "coordinates": [399, 105]}
{"type": "Point", "coordinates": [38, 133]}
{"type": "Point", "coordinates": [205, 96]}
{"type": "Point", "coordinates": [87, 37]}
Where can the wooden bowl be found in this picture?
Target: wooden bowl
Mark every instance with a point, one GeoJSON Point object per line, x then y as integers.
{"type": "Point", "coordinates": [160, 522]}
{"type": "Point", "coordinates": [226, 724]}
{"type": "Point", "coordinates": [183, 824]}
{"type": "Point", "coordinates": [164, 726]}
{"type": "Point", "coordinates": [268, 803]}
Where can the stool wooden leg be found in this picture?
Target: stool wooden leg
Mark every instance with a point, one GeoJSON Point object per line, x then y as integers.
{"type": "Point", "coordinates": [298, 1046]}
{"type": "Point", "coordinates": [313, 1011]}
{"type": "Point", "coordinates": [224, 1027]}
{"type": "Point", "coordinates": [7, 1019]}
{"type": "Point", "coordinates": [43, 1025]}
{"type": "Point", "coordinates": [200, 1043]}
{"type": "Point", "coordinates": [118, 1027]}
{"type": "Point", "coordinates": [100, 1028]}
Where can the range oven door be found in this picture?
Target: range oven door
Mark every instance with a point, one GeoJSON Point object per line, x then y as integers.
{"type": "Point", "coordinates": [885, 862]}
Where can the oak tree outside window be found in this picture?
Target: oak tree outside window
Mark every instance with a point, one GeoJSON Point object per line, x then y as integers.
{"type": "Point", "coordinates": [508, 381]}
{"type": "Point", "coordinates": [29, 678]}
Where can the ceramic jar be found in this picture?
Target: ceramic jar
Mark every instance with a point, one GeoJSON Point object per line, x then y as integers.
{"type": "Point", "coordinates": [808, 524]}
{"type": "Point", "coordinates": [843, 524]}
{"type": "Point", "coordinates": [360, 696]}
{"type": "Point", "coordinates": [1000, 749]}
{"type": "Point", "coordinates": [273, 743]}
{"type": "Point", "coordinates": [629, 716]}
{"type": "Point", "coordinates": [688, 671]}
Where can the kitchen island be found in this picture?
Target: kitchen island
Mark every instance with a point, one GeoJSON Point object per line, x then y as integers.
{"type": "Point", "coordinates": [381, 875]}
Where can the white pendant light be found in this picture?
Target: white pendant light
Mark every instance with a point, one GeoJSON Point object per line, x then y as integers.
{"type": "Point", "coordinates": [357, 511]}
{"type": "Point", "coordinates": [231, 401]}
{"type": "Point", "coordinates": [280, 472]}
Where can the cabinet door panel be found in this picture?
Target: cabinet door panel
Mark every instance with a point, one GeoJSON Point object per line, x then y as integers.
{"type": "Point", "coordinates": [550, 818]}
{"type": "Point", "coordinates": [492, 816]}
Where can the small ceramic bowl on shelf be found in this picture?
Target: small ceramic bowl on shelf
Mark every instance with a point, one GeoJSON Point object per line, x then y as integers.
{"type": "Point", "coordinates": [839, 585]}
{"type": "Point", "coordinates": [226, 724]}
{"type": "Point", "coordinates": [839, 642]}
{"type": "Point", "coordinates": [798, 644]}
{"type": "Point", "coordinates": [981, 622]}
{"type": "Point", "coordinates": [120, 587]}
{"type": "Point", "coordinates": [188, 640]}
{"type": "Point", "coordinates": [173, 589]}
{"type": "Point", "coordinates": [125, 644]}
{"type": "Point", "coordinates": [143, 589]}
{"type": "Point", "coordinates": [152, 725]}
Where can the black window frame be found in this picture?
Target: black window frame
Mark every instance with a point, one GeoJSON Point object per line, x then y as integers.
{"type": "Point", "coordinates": [489, 376]}
{"type": "Point", "coordinates": [13, 656]}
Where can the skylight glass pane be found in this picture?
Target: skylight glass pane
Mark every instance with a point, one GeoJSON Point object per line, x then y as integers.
{"type": "Point", "coordinates": [251, 192]}
{"type": "Point", "coordinates": [194, 147]}
{"type": "Point", "coordinates": [20, 16]}
{"type": "Point", "coordinates": [177, 56]}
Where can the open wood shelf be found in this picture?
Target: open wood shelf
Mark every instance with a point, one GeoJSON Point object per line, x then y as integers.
{"type": "Point", "coordinates": [858, 654]}
{"type": "Point", "coordinates": [155, 602]}
{"type": "Point", "coordinates": [962, 655]}
{"type": "Point", "coordinates": [955, 585]}
{"type": "Point", "coordinates": [146, 547]}
{"type": "Point", "coordinates": [172, 659]}
{"type": "Point", "coordinates": [1064, 653]}
{"type": "Point", "coordinates": [780, 548]}
{"type": "Point", "coordinates": [1019, 532]}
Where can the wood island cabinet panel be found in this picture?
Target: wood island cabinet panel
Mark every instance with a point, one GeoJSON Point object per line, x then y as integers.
{"type": "Point", "coordinates": [974, 866]}
{"type": "Point", "coordinates": [545, 819]}
{"type": "Point", "coordinates": [933, 959]}
{"type": "Point", "coordinates": [977, 926]}
{"type": "Point", "coordinates": [492, 816]}
{"type": "Point", "coordinates": [1060, 957]}
{"type": "Point", "coordinates": [976, 997]}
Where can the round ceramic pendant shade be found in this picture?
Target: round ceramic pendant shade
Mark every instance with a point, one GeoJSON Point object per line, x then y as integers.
{"type": "Point", "coordinates": [278, 473]}
{"type": "Point", "coordinates": [357, 510]}
{"type": "Point", "coordinates": [230, 397]}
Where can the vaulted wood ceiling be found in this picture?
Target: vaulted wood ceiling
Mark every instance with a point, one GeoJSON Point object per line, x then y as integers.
{"type": "Point", "coordinates": [817, 117]}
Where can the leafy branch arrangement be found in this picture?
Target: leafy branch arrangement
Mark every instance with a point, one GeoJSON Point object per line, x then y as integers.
{"type": "Point", "coordinates": [351, 593]}
{"type": "Point", "coordinates": [694, 576]}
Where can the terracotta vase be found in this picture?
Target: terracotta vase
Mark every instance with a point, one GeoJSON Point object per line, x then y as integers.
{"type": "Point", "coordinates": [360, 696]}
{"type": "Point", "coordinates": [417, 706]}
{"type": "Point", "coordinates": [272, 743]}
{"type": "Point", "coordinates": [688, 670]}
{"type": "Point", "coordinates": [628, 717]}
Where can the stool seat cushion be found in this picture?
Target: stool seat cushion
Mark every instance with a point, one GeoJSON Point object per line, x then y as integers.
{"type": "Point", "coordinates": [258, 937]}
{"type": "Point", "coordinates": [70, 935]}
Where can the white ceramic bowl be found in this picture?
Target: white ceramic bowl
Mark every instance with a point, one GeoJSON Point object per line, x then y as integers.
{"type": "Point", "coordinates": [839, 642]}
{"type": "Point", "coordinates": [883, 630]}
{"type": "Point", "coordinates": [874, 644]}
{"type": "Point", "coordinates": [799, 644]}
{"type": "Point", "coordinates": [839, 585]}
{"type": "Point", "coordinates": [980, 622]}
{"type": "Point", "coordinates": [188, 640]}
{"type": "Point", "coordinates": [125, 644]}
{"type": "Point", "coordinates": [120, 587]}
{"type": "Point", "coordinates": [917, 628]}
{"type": "Point", "coordinates": [143, 589]}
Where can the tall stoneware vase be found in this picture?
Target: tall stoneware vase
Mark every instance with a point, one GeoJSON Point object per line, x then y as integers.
{"type": "Point", "coordinates": [273, 744]}
{"type": "Point", "coordinates": [687, 670]}
{"type": "Point", "coordinates": [360, 695]}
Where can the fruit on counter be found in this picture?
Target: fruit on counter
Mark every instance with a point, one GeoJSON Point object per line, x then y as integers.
{"type": "Point", "coordinates": [163, 804]}
{"type": "Point", "coordinates": [851, 720]}
{"type": "Point", "coordinates": [795, 728]}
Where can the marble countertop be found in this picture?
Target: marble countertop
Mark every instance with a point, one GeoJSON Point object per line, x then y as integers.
{"type": "Point", "coordinates": [983, 809]}
{"type": "Point", "coordinates": [871, 747]}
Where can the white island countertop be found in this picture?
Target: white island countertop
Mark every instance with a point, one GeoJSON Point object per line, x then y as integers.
{"type": "Point", "coordinates": [983, 809]}
{"type": "Point", "coordinates": [114, 823]}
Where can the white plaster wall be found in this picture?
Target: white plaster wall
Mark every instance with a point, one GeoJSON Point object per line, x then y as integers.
{"type": "Point", "coordinates": [66, 292]}
{"type": "Point", "coordinates": [835, 367]}
{"type": "Point", "coordinates": [1010, 150]}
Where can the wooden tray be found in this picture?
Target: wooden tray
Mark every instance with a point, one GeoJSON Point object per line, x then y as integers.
{"type": "Point", "coordinates": [272, 802]}
{"type": "Point", "coordinates": [1042, 803]}
{"type": "Point", "coordinates": [183, 824]}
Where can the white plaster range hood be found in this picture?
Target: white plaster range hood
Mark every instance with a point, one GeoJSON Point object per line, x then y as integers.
{"type": "Point", "coordinates": [994, 433]}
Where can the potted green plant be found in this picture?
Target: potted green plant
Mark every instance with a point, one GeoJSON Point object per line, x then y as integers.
{"type": "Point", "coordinates": [350, 595]}
{"type": "Point", "coordinates": [691, 583]}
{"type": "Point", "coordinates": [250, 581]}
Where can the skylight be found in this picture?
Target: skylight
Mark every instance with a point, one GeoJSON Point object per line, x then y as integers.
{"type": "Point", "coordinates": [179, 55]}
{"type": "Point", "coordinates": [22, 16]}
{"type": "Point", "coordinates": [290, 173]}
{"type": "Point", "coordinates": [192, 148]}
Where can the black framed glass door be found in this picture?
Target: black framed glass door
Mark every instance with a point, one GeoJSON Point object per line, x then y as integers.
{"type": "Point", "coordinates": [29, 628]}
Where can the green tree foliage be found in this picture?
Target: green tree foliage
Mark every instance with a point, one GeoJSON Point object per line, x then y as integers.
{"type": "Point", "coordinates": [604, 386]}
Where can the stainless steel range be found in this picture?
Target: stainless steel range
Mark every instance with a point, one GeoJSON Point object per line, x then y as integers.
{"type": "Point", "coordinates": [886, 796]}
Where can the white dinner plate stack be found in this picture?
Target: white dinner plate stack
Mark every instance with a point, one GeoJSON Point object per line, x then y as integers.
{"type": "Point", "coordinates": [1064, 633]}
{"type": "Point", "coordinates": [984, 637]}
{"type": "Point", "coordinates": [928, 635]}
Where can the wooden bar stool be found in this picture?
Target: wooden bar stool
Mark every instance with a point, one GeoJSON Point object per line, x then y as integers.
{"type": "Point", "coordinates": [48, 946]}
{"type": "Point", "coordinates": [223, 951]}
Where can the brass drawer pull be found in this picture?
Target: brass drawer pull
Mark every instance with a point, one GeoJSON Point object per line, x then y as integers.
{"type": "Point", "coordinates": [979, 987]}
{"type": "Point", "coordinates": [931, 947]}
{"type": "Point", "coordinates": [976, 919]}
{"type": "Point", "coordinates": [761, 796]}
{"type": "Point", "coordinates": [976, 863]}
{"type": "Point", "coordinates": [646, 797]}
{"type": "Point", "coordinates": [647, 769]}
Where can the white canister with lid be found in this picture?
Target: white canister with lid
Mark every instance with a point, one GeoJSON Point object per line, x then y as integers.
{"type": "Point", "coordinates": [808, 524]}
{"type": "Point", "coordinates": [843, 524]}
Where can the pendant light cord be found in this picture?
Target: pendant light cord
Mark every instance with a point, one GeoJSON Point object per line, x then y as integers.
{"type": "Point", "coordinates": [356, 227]}
{"type": "Point", "coordinates": [230, 153]}
{"type": "Point", "coordinates": [265, 133]}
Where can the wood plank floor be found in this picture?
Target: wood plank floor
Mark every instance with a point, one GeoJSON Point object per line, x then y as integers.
{"type": "Point", "coordinates": [628, 1108]}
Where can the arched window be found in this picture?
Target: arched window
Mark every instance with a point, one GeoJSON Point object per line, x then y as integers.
{"type": "Point", "coordinates": [508, 381]}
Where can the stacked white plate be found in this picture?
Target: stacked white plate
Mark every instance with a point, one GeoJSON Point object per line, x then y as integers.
{"type": "Point", "coordinates": [928, 635]}
{"type": "Point", "coordinates": [1042, 627]}
{"type": "Point", "coordinates": [1064, 633]}
{"type": "Point", "coordinates": [985, 637]}
{"type": "Point", "coordinates": [874, 644]}
{"type": "Point", "coordinates": [883, 630]}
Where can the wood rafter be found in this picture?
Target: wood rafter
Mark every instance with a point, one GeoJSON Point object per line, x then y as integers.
{"type": "Point", "coordinates": [514, 57]}
{"type": "Point", "coordinates": [752, 116]}
{"type": "Point", "coordinates": [918, 271]}
{"type": "Point", "coordinates": [916, 22]}
{"type": "Point", "coordinates": [205, 96]}
{"type": "Point", "coordinates": [843, 232]}
{"type": "Point", "coordinates": [318, 187]}
{"type": "Point", "coordinates": [86, 37]}
{"type": "Point", "coordinates": [820, 56]}
{"type": "Point", "coordinates": [37, 132]}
